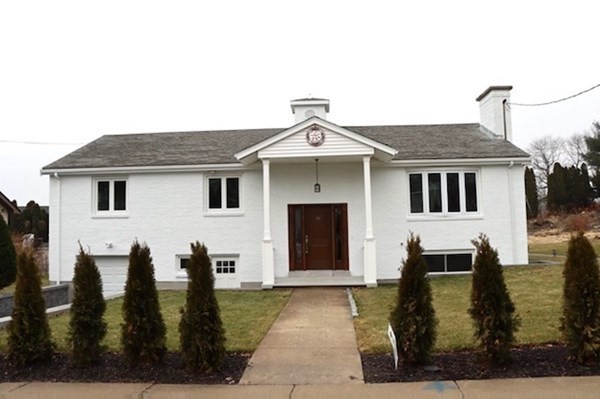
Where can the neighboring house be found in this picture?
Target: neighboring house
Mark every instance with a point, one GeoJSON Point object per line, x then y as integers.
{"type": "Point", "coordinates": [311, 204]}
{"type": "Point", "coordinates": [7, 208]}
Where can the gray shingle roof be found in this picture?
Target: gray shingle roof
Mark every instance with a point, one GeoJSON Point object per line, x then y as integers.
{"type": "Point", "coordinates": [218, 147]}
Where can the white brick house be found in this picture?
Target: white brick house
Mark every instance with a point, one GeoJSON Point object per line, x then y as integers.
{"type": "Point", "coordinates": [314, 203]}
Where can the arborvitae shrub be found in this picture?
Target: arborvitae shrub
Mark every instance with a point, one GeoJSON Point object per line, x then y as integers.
{"type": "Point", "coordinates": [413, 319]}
{"type": "Point", "coordinates": [201, 332]}
{"type": "Point", "coordinates": [29, 339]}
{"type": "Point", "coordinates": [492, 310]}
{"type": "Point", "coordinates": [143, 331]}
{"type": "Point", "coordinates": [580, 322]}
{"type": "Point", "coordinates": [8, 263]}
{"type": "Point", "coordinates": [87, 327]}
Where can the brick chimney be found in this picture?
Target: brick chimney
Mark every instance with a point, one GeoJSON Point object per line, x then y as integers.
{"type": "Point", "coordinates": [494, 111]}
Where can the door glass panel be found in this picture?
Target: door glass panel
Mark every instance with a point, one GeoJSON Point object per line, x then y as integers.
{"type": "Point", "coordinates": [298, 239]}
{"type": "Point", "coordinates": [337, 222]}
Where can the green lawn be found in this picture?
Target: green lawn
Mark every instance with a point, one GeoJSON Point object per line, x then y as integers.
{"type": "Point", "coordinates": [560, 247]}
{"type": "Point", "coordinates": [535, 290]}
{"type": "Point", "coordinates": [247, 316]}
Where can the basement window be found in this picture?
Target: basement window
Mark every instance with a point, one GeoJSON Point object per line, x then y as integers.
{"type": "Point", "coordinates": [449, 262]}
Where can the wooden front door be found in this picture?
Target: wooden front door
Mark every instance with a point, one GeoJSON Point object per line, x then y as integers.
{"type": "Point", "coordinates": [318, 237]}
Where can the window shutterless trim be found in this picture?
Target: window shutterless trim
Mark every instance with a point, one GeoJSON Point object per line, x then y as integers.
{"type": "Point", "coordinates": [114, 196]}
{"type": "Point", "coordinates": [425, 202]}
{"type": "Point", "coordinates": [223, 193]}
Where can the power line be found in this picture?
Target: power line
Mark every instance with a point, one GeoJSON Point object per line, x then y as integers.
{"type": "Point", "coordinates": [36, 142]}
{"type": "Point", "coordinates": [559, 100]}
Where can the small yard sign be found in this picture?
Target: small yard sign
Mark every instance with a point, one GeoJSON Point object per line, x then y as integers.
{"type": "Point", "coordinates": [392, 337]}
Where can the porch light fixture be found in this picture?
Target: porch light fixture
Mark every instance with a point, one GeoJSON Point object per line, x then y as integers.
{"type": "Point", "coordinates": [317, 185]}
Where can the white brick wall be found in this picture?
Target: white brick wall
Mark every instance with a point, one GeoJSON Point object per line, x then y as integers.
{"type": "Point", "coordinates": [167, 211]}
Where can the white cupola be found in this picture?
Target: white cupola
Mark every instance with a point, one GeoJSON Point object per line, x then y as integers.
{"type": "Point", "coordinates": [305, 108]}
{"type": "Point", "coordinates": [494, 111]}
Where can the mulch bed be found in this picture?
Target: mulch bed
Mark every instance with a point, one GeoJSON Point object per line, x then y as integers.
{"type": "Point", "coordinates": [528, 361]}
{"type": "Point", "coordinates": [113, 368]}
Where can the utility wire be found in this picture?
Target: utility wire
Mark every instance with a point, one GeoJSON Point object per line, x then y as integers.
{"type": "Point", "coordinates": [36, 142]}
{"type": "Point", "coordinates": [559, 100]}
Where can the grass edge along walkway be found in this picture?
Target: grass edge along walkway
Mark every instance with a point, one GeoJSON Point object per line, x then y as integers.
{"type": "Point", "coordinates": [535, 290]}
{"type": "Point", "coordinates": [246, 315]}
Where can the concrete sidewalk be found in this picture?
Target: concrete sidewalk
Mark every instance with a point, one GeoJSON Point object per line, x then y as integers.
{"type": "Point", "coordinates": [546, 388]}
{"type": "Point", "coordinates": [311, 342]}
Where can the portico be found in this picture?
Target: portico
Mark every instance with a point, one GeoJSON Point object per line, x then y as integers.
{"type": "Point", "coordinates": [317, 220]}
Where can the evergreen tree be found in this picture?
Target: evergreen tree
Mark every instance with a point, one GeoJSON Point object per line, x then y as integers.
{"type": "Point", "coordinates": [143, 331]}
{"type": "Point", "coordinates": [8, 257]}
{"type": "Point", "coordinates": [201, 332]}
{"type": "Point", "coordinates": [413, 318]}
{"type": "Point", "coordinates": [592, 157]}
{"type": "Point", "coordinates": [491, 309]}
{"type": "Point", "coordinates": [531, 194]}
{"type": "Point", "coordinates": [557, 190]}
{"type": "Point", "coordinates": [586, 181]}
{"type": "Point", "coordinates": [87, 327]}
{"type": "Point", "coordinates": [29, 339]}
{"type": "Point", "coordinates": [33, 219]}
{"type": "Point", "coordinates": [580, 323]}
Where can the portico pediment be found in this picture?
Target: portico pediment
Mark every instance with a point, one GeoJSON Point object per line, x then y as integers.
{"type": "Point", "coordinates": [315, 138]}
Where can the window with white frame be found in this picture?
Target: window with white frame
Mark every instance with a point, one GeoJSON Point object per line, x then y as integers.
{"type": "Point", "coordinates": [449, 262]}
{"type": "Point", "coordinates": [443, 192]}
{"type": "Point", "coordinates": [221, 265]}
{"type": "Point", "coordinates": [110, 195]}
{"type": "Point", "coordinates": [223, 193]}
{"type": "Point", "coordinates": [225, 266]}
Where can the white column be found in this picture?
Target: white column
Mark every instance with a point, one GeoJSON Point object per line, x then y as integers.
{"type": "Point", "coordinates": [370, 254]}
{"type": "Point", "coordinates": [268, 266]}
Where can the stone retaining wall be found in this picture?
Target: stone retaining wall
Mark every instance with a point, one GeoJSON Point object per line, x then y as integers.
{"type": "Point", "coordinates": [54, 295]}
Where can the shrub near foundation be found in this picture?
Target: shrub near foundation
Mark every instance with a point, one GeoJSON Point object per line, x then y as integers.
{"type": "Point", "coordinates": [580, 323]}
{"type": "Point", "coordinates": [29, 339]}
{"type": "Point", "coordinates": [492, 310]}
{"type": "Point", "coordinates": [413, 318]}
{"type": "Point", "coordinates": [201, 332]}
{"type": "Point", "coordinates": [87, 327]}
{"type": "Point", "coordinates": [8, 264]}
{"type": "Point", "coordinates": [143, 333]}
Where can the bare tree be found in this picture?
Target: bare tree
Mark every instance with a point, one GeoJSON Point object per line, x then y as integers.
{"type": "Point", "coordinates": [575, 148]}
{"type": "Point", "coordinates": [545, 152]}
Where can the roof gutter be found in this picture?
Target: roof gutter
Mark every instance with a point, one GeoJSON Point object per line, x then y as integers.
{"type": "Point", "coordinates": [142, 169]}
{"type": "Point", "coordinates": [462, 161]}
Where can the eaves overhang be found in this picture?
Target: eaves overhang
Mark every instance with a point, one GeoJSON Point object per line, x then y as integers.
{"type": "Point", "coordinates": [141, 169]}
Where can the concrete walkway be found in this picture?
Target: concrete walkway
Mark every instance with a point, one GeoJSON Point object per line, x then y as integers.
{"type": "Point", "coordinates": [520, 388]}
{"type": "Point", "coordinates": [311, 342]}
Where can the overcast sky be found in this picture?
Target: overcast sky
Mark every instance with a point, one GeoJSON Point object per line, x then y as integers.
{"type": "Point", "coordinates": [71, 71]}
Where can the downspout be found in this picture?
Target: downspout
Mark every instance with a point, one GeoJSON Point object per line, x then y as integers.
{"type": "Point", "coordinates": [511, 211]}
{"type": "Point", "coordinates": [57, 221]}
